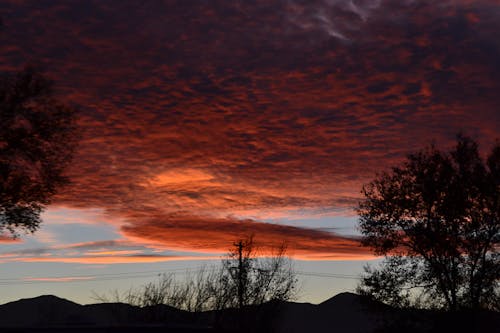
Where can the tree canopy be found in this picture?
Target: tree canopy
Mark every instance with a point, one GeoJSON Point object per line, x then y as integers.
{"type": "Point", "coordinates": [37, 140]}
{"type": "Point", "coordinates": [436, 219]}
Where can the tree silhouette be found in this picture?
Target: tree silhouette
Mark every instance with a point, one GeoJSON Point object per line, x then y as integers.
{"type": "Point", "coordinates": [245, 293]}
{"type": "Point", "coordinates": [37, 139]}
{"type": "Point", "coordinates": [436, 219]}
{"type": "Point", "coordinates": [255, 286]}
{"type": "Point", "coordinates": [254, 280]}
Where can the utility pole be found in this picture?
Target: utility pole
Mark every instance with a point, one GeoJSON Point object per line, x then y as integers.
{"type": "Point", "coordinates": [241, 274]}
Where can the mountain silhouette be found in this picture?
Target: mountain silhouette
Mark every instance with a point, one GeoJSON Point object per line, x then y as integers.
{"type": "Point", "coordinates": [41, 310]}
{"type": "Point", "coordinates": [52, 311]}
{"type": "Point", "coordinates": [345, 312]}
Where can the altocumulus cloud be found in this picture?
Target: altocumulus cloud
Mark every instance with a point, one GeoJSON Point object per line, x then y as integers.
{"type": "Point", "coordinates": [216, 116]}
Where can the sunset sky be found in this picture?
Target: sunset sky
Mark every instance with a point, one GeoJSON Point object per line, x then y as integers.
{"type": "Point", "coordinates": [206, 121]}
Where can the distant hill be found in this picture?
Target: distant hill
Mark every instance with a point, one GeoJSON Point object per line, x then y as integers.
{"type": "Point", "coordinates": [40, 310]}
{"type": "Point", "coordinates": [48, 310]}
{"type": "Point", "coordinates": [346, 312]}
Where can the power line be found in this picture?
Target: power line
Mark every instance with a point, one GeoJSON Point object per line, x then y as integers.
{"type": "Point", "coordinates": [144, 274]}
{"type": "Point", "coordinates": [328, 275]}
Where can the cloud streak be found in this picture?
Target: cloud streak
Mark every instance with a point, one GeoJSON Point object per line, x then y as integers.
{"type": "Point", "coordinates": [99, 252]}
{"type": "Point", "coordinates": [110, 260]}
{"type": "Point", "coordinates": [58, 279]}
{"type": "Point", "coordinates": [216, 235]}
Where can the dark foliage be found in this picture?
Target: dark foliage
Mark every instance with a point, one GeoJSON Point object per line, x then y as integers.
{"type": "Point", "coordinates": [37, 139]}
{"type": "Point", "coordinates": [436, 218]}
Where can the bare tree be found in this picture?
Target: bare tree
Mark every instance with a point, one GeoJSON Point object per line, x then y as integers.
{"type": "Point", "coordinates": [257, 285]}
{"type": "Point", "coordinates": [243, 279]}
{"type": "Point", "coordinates": [256, 280]}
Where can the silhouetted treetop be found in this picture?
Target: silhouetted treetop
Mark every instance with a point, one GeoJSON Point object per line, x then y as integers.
{"type": "Point", "coordinates": [436, 218]}
{"type": "Point", "coordinates": [37, 140]}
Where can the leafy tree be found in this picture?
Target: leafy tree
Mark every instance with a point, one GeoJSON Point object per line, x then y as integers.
{"type": "Point", "coordinates": [436, 219]}
{"type": "Point", "coordinates": [37, 139]}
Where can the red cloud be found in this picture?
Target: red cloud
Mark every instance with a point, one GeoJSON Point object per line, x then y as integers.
{"type": "Point", "coordinates": [205, 234]}
{"type": "Point", "coordinates": [198, 108]}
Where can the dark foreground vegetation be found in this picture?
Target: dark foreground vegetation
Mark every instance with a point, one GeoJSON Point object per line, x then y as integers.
{"type": "Point", "coordinates": [38, 136]}
{"type": "Point", "coordinates": [436, 219]}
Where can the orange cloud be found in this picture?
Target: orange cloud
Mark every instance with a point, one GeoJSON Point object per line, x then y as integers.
{"type": "Point", "coordinates": [113, 259]}
{"type": "Point", "coordinates": [7, 239]}
{"type": "Point", "coordinates": [216, 235]}
{"type": "Point", "coordinates": [180, 176]}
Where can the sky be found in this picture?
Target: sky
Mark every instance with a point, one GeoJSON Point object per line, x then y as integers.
{"type": "Point", "coordinates": [204, 122]}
